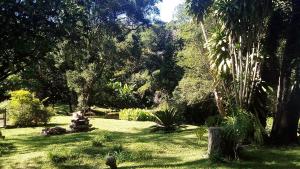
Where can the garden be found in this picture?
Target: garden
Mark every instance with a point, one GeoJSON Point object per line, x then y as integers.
{"type": "Point", "coordinates": [92, 84]}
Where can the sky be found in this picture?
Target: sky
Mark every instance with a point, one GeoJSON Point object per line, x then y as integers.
{"type": "Point", "coordinates": [167, 8]}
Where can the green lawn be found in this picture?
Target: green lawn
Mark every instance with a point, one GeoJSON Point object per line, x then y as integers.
{"type": "Point", "coordinates": [137, 147]}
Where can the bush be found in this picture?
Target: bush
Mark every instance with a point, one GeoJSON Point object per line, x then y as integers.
{"type": "Point", "coordinates": [26, 110]}
{"type": "Point", "coordinates": [238, 128]}
{"type": "Point", "coordinates": [136, 115]}
{"type": "Point", "coordinates": [167, 120]}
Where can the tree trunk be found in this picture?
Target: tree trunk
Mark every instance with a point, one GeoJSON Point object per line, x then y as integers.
{"type": "Point", "coordinates": [285, 125]}
{"type": "Point", "coordinates": [284, 130]}
{"type": "Point", "coordinates": [219, 104]}
{"type": "Point", "coordinates": [214, 141]}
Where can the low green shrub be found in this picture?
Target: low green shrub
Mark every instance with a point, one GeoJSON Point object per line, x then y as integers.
{"type": "Point", "coordinates": [136, 115]}
{"type": "Point", "coordinates": [200, 132]}
{"type": "Point", "coordinates": [97, 142]}
{"type": "Point", "coordinates": [24, 109]}
{"type": "Point", "coordinates": [238, 128]}
{"type": "Point", "coordinates": [167, 120]}
{"type": "Point", "coordinates": [60, 155]}
{"type": "Point", "coordinates": [100, 140]}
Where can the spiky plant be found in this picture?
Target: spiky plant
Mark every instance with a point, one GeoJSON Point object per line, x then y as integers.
{"type": "Point", "coordinates": [167, 120]}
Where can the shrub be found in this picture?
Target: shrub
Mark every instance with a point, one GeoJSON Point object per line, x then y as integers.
{"type": "Point", "coordinates": [26, 110]}
{"type": "Point", "coordinates": [238, 128]}
{"type": "Point", "coordinates": [167, 120]}
{"type": "Point", "coordinates": [136, 115]}
{"type": "Point", "coordinates": [59, 155]}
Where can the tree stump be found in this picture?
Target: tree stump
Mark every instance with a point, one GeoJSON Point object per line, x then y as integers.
{"type": "Point", "coordinates": [214, 141]}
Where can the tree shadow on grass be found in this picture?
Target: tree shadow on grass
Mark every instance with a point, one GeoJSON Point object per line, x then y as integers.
{"type": "Point", "coordinates": [6, 148]}
{"type": "Point", "coordinates": [203, 163]}
{"type": "Point", "coordinates": [267, 158]}
{"type": "Point", "coordinates": [37, 126]}
{"type": "Point", "coordinates": [252, 158]}
{"type": "Point", "coordinates": [66, 166]}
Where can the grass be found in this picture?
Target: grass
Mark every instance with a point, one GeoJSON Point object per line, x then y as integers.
{"type": "Point", "coordinates": [132, 143]}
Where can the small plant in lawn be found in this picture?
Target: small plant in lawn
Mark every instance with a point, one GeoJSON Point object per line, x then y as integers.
{"type": "Point", "coordinates": [200, 132]}
{"type": "Point", "coordinates": [167, 120]}
{"type": "Point", "coordinates": [97, 142]}
{"type": "Point", "coordinates": [100, 140]}
{"type": "Point", "coordinates": [61, 155]}
{"type": "Point", "coordinates": [107, 137]}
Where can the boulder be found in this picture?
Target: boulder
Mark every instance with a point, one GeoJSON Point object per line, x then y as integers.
{"type": "Point", "coordinates": [80, 123]}
{"type": "Point", "coordinates": [54, 131]}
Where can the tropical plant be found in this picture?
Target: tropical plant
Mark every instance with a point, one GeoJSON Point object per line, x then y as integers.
{"type": "Point", "coordinates": [167, 120]}
{"type": "Point", "coordinates": [236, 45]}
{"type": "Point", "coordinates": [241, 126]}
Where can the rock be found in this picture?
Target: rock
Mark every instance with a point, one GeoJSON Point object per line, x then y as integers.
{"type": "Point", "coordinates": [54, 131]}
{"type": "Point", "coordinates": [79, 123]}
{"type": "Point", "coordinates": [111, 162]}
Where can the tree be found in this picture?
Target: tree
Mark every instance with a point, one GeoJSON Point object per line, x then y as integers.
{"type": "Point", "coordinates": [272, 50]}
{"type": "Point", "coordinates": [30, 29]}
{"type": "Point", "coordinates": [284, 130]}
{"type": "Point", "coordinates": [95, 53]}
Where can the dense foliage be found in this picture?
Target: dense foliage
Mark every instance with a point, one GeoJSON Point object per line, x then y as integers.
{"type": "Point", "coordinates": [24, 109]}
{"type": "Point", "coordinates": [136, 115]}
